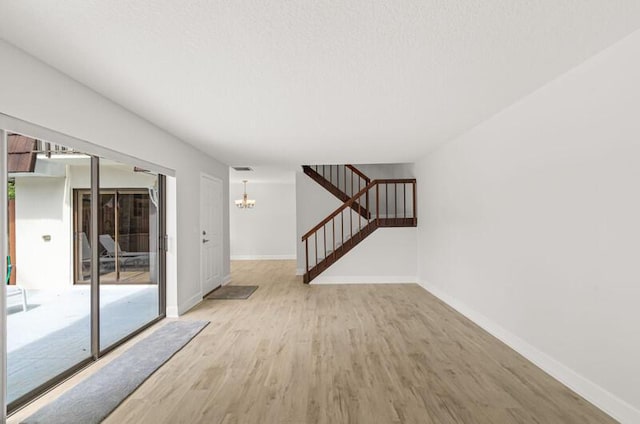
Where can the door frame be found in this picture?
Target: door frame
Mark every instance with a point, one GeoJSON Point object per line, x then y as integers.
{"type": "Point", "coordinates": [77, 194]}
{"type": "Point", "coordinates": [204, 175]}
{"type": "Point", "coordinates": [3, 271]}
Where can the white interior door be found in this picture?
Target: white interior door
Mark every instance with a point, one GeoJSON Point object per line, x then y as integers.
{"type": "Point", "coordinates": [210, 233]}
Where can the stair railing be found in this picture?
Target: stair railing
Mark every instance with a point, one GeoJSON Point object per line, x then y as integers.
{"type": "Point", "coordinates": [346, 178]}
{"type": "Point", "coordinates": [394, 206]}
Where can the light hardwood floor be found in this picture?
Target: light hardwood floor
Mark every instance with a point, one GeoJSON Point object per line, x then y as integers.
{"type": "Point", "coordinates": [341, 354]}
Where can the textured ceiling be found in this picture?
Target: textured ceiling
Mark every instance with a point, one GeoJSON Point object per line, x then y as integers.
{"type": "Point", "coordinates": [300, 81]}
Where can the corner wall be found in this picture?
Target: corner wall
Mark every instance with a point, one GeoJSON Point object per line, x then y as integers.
{"type": "Point", "coordinates": [530, 226]}
{"type": "Point", "coordinates": [32, 91]}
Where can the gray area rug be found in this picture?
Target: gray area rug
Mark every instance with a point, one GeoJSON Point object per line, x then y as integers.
{"type": "Point", "coordinates": [233, 292]}
{"type": "Point", "coordinates": [93, 399]}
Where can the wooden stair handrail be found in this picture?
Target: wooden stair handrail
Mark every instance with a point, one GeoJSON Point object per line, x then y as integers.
{"type": "Point", "coordinates": [333, 186]}
{"type": "Point", "coordinates": [355, 197]}
{"type": "Point", "coordinates": [396, 181]}
{"type": "Point", "coordinates": [335, 213]}
{"type": "Point", "coordinates": [358, 172]}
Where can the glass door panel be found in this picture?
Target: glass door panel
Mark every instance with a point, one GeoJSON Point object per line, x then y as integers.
{"type": "Point", "coordinates": [129, 289]}
{"type": "Point", "coordinates": [48, 316]}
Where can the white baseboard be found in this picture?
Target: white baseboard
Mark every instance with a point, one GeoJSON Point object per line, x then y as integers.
{"type": "Point", "coordinates": [172, 312]}
{"type": "Point", "coordinates": [609, 403]}
{"type": "Point", "coordinates": [367, 279]}
{"type": "Point", "coordinates": [262, 257]}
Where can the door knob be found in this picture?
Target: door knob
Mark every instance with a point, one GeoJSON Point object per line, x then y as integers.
{"type": "Point", "coordinates": [205, 241]}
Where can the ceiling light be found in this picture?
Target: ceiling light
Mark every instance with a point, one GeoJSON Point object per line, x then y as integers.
{"type": "Point", "coordinates": [245, 202]}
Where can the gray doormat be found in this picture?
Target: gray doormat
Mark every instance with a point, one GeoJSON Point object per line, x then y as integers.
{"type": "Point", "coordinates": [93, 399]}
{"type": "Point", "coordinates": [233, 292]}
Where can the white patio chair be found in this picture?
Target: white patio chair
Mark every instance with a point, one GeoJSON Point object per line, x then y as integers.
{"type": "Point", "coordinates": [14, 292]}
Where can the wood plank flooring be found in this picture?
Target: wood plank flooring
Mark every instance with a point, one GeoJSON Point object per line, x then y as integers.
{"type": "Point", "coordinates": [293, 353]}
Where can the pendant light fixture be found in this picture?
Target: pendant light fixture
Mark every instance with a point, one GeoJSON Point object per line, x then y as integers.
{"type": "Point", "coordinates": [245, 202]}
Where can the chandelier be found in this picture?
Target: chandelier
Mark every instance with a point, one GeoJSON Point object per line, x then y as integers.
{"type": "Point", "coordinates": [245, 202]}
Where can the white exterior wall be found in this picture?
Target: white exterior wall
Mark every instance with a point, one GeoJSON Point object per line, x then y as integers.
{"type": "Point", "coordinates": [111, 176]}
{"type": "Point", "coordinates": [35, 92]}
{"type": "Point", "coordinates": [529, 224]}
{"type": "Point", "coordinates": [44, 206]}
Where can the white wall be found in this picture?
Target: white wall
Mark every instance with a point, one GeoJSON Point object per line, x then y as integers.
{"type": "Point", "coordinates": [530, 225]}
{"type": "Point", "coordinates": [387, 170]}
{"type": "Point", "coordinates": [387, 255]}
{"type": "Point", "coordinates": [34, 92]}
{"type": "Point", "coordinates": [111, 176]}
{"type": "Point", "coordinates": [267, 231]}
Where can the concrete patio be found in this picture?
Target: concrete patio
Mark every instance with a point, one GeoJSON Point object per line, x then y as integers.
{"type": "Point", "coordinates": [53, 334]}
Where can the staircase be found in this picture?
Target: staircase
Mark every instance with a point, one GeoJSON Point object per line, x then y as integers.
{"type": "Point", "coordinates": [368, 205]}
{"type": "Point", "coordinates": [343, 181]}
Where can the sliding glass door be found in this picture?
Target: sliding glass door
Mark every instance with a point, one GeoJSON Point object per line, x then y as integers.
{"type": "Point", "coordinates": [83, 274]}
{"type": "Point", "coordinates": [128, 231]}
